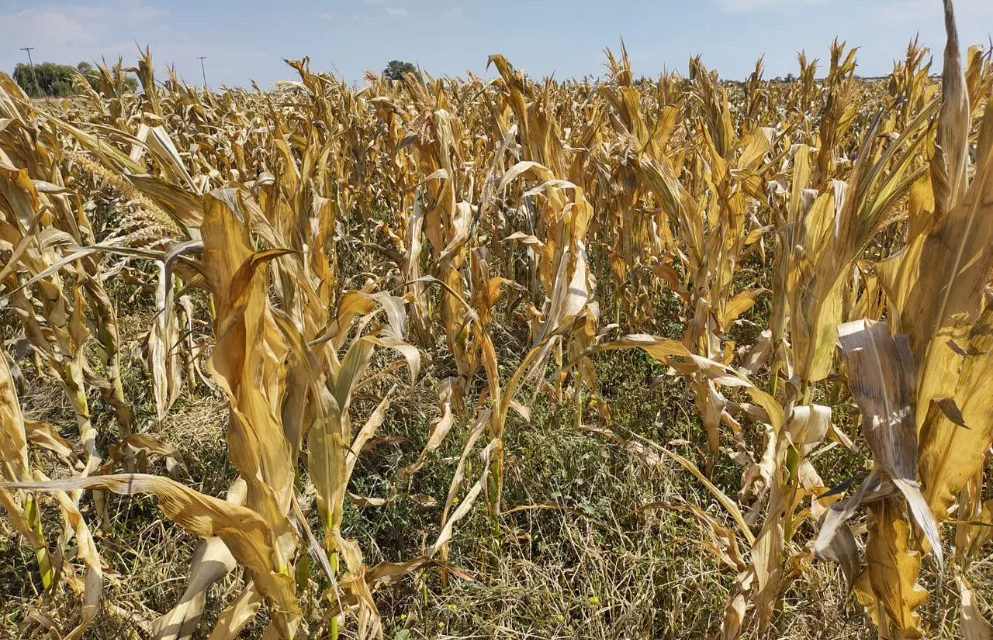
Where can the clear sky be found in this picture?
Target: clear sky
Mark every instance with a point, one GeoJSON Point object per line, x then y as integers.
{"type": "Point", "coordinates": [247, 40]}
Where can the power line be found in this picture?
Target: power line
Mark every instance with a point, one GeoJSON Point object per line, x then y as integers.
{"type": "Point", "coordinates": [34, 76]}
{"type": "Point", "coordinates": [202, 58]}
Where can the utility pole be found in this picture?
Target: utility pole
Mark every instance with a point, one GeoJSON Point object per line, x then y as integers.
{"type": "Point", "coordinates": [34, 76]}
{"type": "Point", "coordinates": [202, 58]}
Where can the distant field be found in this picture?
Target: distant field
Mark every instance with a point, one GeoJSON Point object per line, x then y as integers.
{"type": "Point", "coordinates": [456, 358]}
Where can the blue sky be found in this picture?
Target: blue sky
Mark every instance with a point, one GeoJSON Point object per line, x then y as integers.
{"type": "Point", "coordinates": [247, 40]}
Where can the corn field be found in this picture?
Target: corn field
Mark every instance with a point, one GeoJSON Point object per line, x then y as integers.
{"type": "Point", "coordinates": [808, 263]}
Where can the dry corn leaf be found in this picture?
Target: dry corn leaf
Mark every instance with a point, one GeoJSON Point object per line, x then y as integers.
{"type": "Point", "coordinates": [244, 532]}
{"type": "Point", "coordinates": [881, 377]}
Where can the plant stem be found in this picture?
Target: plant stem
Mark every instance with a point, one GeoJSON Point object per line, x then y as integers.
{"type": "Point", "coordinates": [33, 516]}
{"type": "Point", "coordinates": [333, 626]}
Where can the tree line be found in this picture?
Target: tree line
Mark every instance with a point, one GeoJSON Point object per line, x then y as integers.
{"type": "Point", "coordinates": [51, 80]}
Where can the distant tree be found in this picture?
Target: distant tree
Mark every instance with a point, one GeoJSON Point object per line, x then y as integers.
{"type": "Point", "coordinates": [92, 75]}
{"type": "Point", "coordinates": [45, 80]}
{"type": "Point", "coordinates": [396, 69]}
{"type": "Point", "coordinates": [50, 80]}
